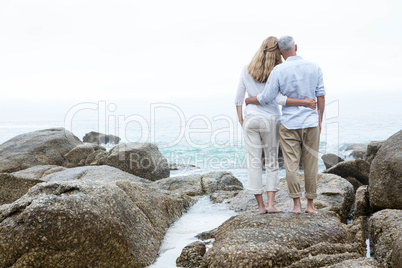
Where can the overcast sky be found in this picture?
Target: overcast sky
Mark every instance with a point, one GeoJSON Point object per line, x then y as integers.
{"type": "Point", "coordinates": [171, 51]}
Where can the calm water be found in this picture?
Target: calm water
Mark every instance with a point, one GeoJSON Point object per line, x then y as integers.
{"type": "Point", "coordinates": [210, 144]}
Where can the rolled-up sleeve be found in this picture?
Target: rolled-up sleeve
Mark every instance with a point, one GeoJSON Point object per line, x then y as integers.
{"type": "Point", "coordinates": [241, 91]}
{"type": "Point", "coordinates": [281, 99]}
{"type": "Point", "coordinates": [320, 90]}
{"type": "Point", "coordinates": [271, 89]}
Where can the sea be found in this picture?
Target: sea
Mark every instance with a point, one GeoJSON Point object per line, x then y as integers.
{"type": "Point", "coordinates": [199, 144]}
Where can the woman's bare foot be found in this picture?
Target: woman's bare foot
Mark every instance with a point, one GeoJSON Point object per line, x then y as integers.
{"type": "Point", "coordinates": [262, 211]}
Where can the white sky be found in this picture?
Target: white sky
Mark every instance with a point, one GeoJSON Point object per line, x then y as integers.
{"type": "Point", "coordinates": [171, 50]}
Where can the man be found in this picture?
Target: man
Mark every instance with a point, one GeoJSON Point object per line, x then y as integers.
{"type": "Point", "coordinates": [300, 126]}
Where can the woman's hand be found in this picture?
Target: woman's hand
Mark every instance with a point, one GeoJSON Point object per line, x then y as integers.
{"type": "Point", "coordinates": [252, 100]}
{"type": "Point", "coordinates": [310, 103]}
{"type": "Point", "coordinates": [241, 121]}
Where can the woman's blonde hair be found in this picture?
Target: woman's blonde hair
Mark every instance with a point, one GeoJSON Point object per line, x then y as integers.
{"type": "Point", "coordinates": [266, 58]}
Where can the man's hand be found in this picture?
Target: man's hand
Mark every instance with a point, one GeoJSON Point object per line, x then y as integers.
{"type": "Point", "coordinates": [310, 103]}
{"type": "Point", "coordinates": [320, 109]}
{"type": "Point", "coordinates": [252, 100]}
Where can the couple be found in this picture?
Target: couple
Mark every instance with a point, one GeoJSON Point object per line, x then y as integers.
{"type": "Point", "coordinates": [297, 85]}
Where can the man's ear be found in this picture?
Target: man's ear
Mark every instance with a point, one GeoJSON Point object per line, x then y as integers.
{"type": "Point", "coordinates": [280, 53]}
{"type": "Point", "coordinates": [295, 47]}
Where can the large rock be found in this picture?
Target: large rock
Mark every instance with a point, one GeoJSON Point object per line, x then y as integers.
{"type": "Point", "coordinates": [334, 194]}
{"type": "Point", "coordinates": [358, 169]}
{"type": "Point", "coordinates": [42, 147]}
{"type": "Point", "coordinates": [331, 160]}
{"type": "Point", "coordinates": [385, 229]}
{"type": "Point", "coordinates": [87, 217]}
{"type": "Point", "coordinates": [372, 149]}
{"type": "Point", "coordinates": [386, 175]}
{"type": "Point", "coordinates": [190, 185]}
{"type": "Point", "coordinates": [197, 184]}
{"type": "Point", "coordinates": [100, 138]}
{"type": "Point", "coordinates": [141, 159]}
{"type": "Point", "coordinates": [78, 156]}
{"type": "Point", "coordinates": [358, 150]}
{"type": "Point", "coordinates": [191, 255]}
{"type": "Point", "coordinates": [282, 239]}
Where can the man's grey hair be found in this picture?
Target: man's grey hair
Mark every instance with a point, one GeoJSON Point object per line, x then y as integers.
{"type": "Point", "coordinates": [286, 43]}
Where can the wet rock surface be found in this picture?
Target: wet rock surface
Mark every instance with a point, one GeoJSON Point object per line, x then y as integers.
{"type": "Point", "coordinates": [191, 255]}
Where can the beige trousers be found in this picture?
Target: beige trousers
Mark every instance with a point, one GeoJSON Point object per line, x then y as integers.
{"type": "Point", "coordinates": [296, 143]}
{"type": "Point", "coordinates": [261, 134]}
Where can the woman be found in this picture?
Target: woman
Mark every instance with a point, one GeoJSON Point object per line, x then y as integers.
{"type": "Point", "coordinates": [260, 123]}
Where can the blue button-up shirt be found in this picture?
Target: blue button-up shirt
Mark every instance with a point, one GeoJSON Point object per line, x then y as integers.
{"type": "Point", "coordinates": [298, 79]}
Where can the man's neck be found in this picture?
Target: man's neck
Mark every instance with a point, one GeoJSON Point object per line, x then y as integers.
{"type": "Point", "coordinates": [286, 55]}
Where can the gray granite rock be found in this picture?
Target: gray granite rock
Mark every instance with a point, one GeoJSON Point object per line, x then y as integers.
{"type": "Point", "coordinates": [372, 149]}
{"type": "Point", "coordinates": [358, 150]}
{"type": "Point", "coordinates": [331, 160]}
{"type": "Point", "coordinates": [358, 169]}
{"type": "Point", "coordinates": [385, 228]}
{"type": "Point", "coordinates": [78, 155]}
{"type": "Point", "coordinates": [42, 147]}
{"type": "Point", "coordinates": [281, 240]}
{"type": "Point", "coordinates": [191, 255]}
{"type": "Point", "coordinates": [386, 175]}
{"type": "Point", "coordinates": [100, 138]}
{"type": "Point", "coordinates": [141, 159]}
{"type": "Point", "coordinates": [87, 217]}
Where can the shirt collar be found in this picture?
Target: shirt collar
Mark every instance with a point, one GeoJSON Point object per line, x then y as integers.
{"type": "Point", "coordinates": [294, 58]}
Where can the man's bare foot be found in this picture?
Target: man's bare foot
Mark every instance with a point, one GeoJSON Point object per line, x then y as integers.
{"type": "Point", "coordinates": [313, 211]}
{"type": "Point", "coordinates": [295, 210]}
{"type": "Point", "coordinates": [273, 209]}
